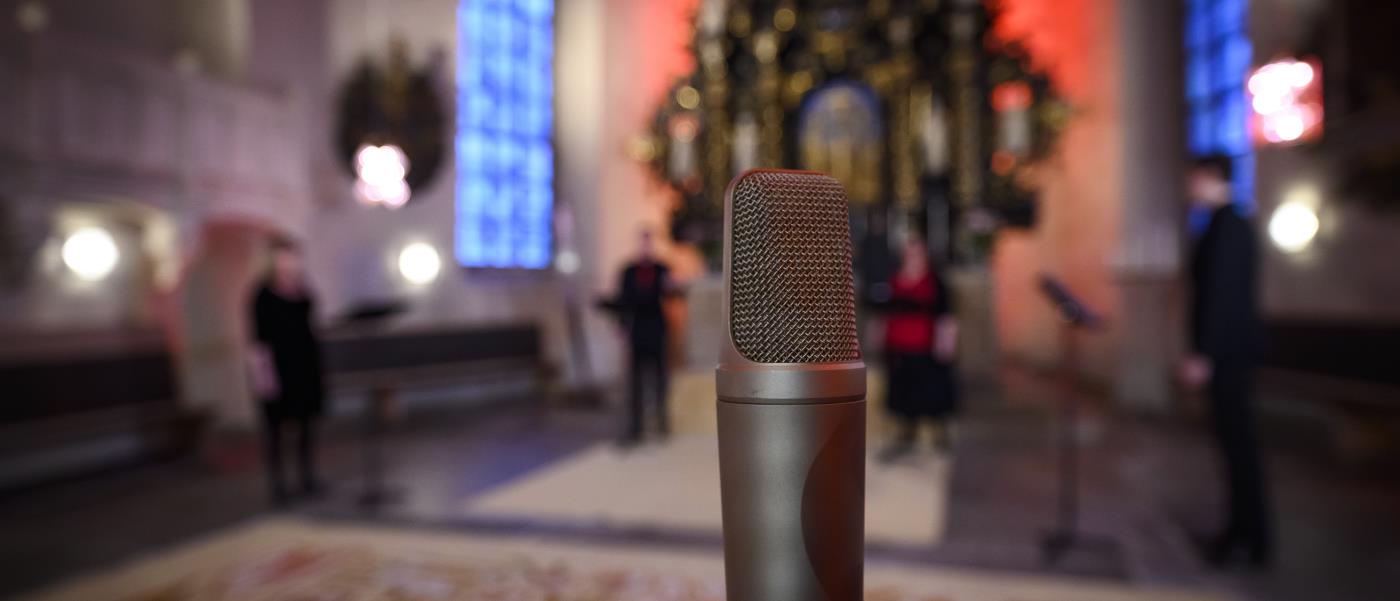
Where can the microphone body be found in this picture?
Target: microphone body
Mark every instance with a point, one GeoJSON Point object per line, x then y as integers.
{"type": "Point", "coordinates": [791, 393]}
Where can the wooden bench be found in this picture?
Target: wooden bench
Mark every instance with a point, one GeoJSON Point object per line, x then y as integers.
{"type": "Point", "coordinates": [76, 404]}
{"type": "Point", "coordinates": [359, 358]}
{"type": "Point", "coordinates": [1348, 370]}
{"type": "Point", "coordinates": [384, 363]}
{"type": "Point", "coordinates": [69, 411]}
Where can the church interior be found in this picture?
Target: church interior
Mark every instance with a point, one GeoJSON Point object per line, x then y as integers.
{"type": "Point", "coordinates": [423, 299]}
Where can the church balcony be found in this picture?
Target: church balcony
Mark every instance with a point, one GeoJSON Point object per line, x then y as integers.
{"type": "Point", "coordinates": [81, 121]}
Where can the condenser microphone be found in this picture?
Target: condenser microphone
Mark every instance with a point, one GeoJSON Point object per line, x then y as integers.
{"type": "Point", "coordinates": [791, 391]}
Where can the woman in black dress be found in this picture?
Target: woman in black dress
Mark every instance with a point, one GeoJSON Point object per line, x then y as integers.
{"type": "Point", "coordinates": [287, 375]}
{"type": "Point", "coordinates": [920, 338]}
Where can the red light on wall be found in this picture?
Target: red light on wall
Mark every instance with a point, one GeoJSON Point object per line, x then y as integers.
{"type": "Point", "coordinates": [1011, 96]}
{"type": "Point", "coordinates": [1285, 101]}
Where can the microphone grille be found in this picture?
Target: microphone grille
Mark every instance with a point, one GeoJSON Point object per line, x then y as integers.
{"type": "Point", "coordinates": [792, 296]}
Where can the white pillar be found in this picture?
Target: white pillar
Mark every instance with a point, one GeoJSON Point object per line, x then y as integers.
{"type": "Point", "coordinates": [1147, 261]}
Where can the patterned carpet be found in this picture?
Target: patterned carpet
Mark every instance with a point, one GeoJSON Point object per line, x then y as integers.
{"type": "Point", "coordinates": [675, 486]}
{"type": "Point", "coordinates": [287, 559]}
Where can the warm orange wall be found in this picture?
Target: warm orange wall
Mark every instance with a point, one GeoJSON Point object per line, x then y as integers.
{"type": "Point", "coordinates": [1080, 203]}
{"type": "Point", "coordinates": [1059, 37]}
{"type": "Point", "coordinates": [646, 49]}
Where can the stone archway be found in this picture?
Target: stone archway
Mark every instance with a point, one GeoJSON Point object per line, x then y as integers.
{"type": "Point", "coordinates": [211, 324]}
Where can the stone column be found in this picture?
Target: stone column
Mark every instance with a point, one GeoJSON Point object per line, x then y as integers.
{"type": "Point", "coordinates": [1147, 261]}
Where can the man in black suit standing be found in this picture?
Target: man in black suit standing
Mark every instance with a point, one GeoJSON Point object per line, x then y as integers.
{"type": "Point", "coordinates": [1224, 342]}
{"type": "Point", "coordinates": [644, 284]}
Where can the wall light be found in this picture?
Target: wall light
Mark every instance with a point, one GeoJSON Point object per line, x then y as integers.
{"type": "Point", "coordinates": [419, 263]}
{"type": "Point", "coordinates": [33, 17]}
{"type": "Point", "coordinates": [90, 253]}
{"type": "Point", "coordinates": [1285, 98]}
{"type": "Point", "coordinates": [1293, 226]}
{"type": "Point", "coordinates": [567, 262]}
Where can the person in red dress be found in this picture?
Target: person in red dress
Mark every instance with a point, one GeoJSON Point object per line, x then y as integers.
{"type": "Point", "coordinates": [920, 340]}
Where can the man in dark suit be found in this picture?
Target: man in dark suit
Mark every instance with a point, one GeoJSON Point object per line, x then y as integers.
{"type": "Point", "coordinates": [1224, 342]}
{"type": "Point", "coordinates": [644, 284]}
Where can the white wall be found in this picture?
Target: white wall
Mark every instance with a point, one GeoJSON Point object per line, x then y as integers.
{"type": "Point", "coordinates": [216, 30]}
{"type": "Point", "coordinates": [645, 48]}
{"type": "Point", "coordinates": [615, 59]}
{"type": "Point", "coordinates": [149, 26]}
{"type": "Point", "coordinates": [353, 249]}
{"type": "Point", "coordinates": [52, 299]}
{"type": "Point", "coordinates": [1081, 204]}
{"type": "Point", "coordinates": [1347, 272]}
{"type": "Point", "coordinates": [580, 61]}
{"type": "Point", "coordinates": [98, 123]}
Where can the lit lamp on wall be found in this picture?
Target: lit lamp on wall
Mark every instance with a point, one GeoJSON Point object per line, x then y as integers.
{"type": "Point", "coordinates": [1012, 101]}
{"type": "Point", "coordinates": [1292, 227]}
{"type": "Point", "coordinates": [1294, 224]}
{"type": "Point", "coordinates": [1285, 99]}
{"type": "Point", "coordinates": [90, 253]}
{"type": "Point", "coordinates": [419, 263]}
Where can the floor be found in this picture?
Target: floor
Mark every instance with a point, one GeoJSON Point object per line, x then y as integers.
{"type": "Point", "coordinates": [289, 557]}
{"type": "Point", "coordinates": [1147, 486]}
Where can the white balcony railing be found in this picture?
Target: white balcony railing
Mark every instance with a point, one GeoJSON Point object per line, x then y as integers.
{"type": "Point", "coordinates": [82, 122]}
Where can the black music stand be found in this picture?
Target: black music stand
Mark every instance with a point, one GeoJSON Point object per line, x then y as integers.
{"type": "Point", "coordinates": [1075, 317]}
{"type": "Point", "coordinates": [375, 492]}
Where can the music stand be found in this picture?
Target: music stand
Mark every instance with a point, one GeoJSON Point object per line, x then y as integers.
{"type": "Point", "coordinates": [375, 492]}
{"type": "Point", "coordinates": [1074, 317]}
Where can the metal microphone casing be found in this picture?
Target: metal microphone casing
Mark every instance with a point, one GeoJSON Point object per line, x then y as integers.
{"type": "Point", "coordinates": [791, 393]}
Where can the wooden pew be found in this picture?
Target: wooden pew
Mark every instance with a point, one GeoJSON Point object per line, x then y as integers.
{"type": "Point", "coordinates": [70, 409]}
{"type": "Point", "coordinates": [384, 363]}
{"type": "Point", "coordinates": [368, 359]}
{"type": "Point", "coordinates": [1349, 370]}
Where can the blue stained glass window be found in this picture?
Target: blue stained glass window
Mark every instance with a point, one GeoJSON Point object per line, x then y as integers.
{"type": "Point", "coordinates": [1231, 16]}
{"type": "Point", "coordinates": [1218, 58]}
{"type": "Point", "coordinates": [1238, 53]}
{"type": "Point", "coordinates": [1244, 176]}
{"type": "Point", "coordinates": [1201, 133]}
{"type": "Point", "coordinates": [1197, 78]}
{"type": "Point", "coordinates": [1234, 140]}
{"type": "Point", "coordinates": [505, 120]}
{"type": "Point", "coordinates": [1197, 33]}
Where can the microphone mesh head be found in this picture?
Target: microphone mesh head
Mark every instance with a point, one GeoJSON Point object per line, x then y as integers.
{"type": "Point", "coordinates": [792, 297]}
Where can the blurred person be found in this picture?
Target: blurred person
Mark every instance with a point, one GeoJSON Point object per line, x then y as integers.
{"type": "Point", "coordinates": [287, 377]}
{"type": "Point", "coordinates": [641, 289]}
{"type": "Point", "coordinates": [920, 342]}
{"type": "Point", "coordinates": [1224, 344]}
